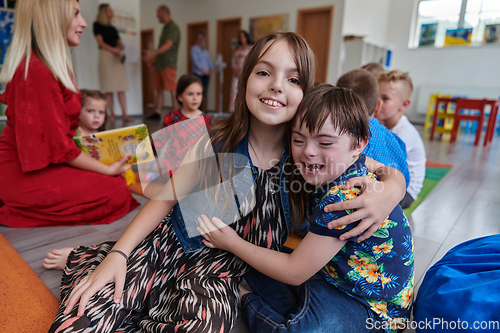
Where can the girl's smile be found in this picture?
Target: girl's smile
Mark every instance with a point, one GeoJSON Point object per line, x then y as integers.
{"type": "Point", "coordinates": [273, 87]}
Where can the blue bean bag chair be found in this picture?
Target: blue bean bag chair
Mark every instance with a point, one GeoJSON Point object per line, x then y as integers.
{"type": "Point", "coordinates": [461, 292]}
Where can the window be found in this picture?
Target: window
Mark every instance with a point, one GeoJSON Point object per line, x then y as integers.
{"type": "Point", "coordinates": [446, 22]}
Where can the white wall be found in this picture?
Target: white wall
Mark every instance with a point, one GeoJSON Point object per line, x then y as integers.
{"type": "Point", "coordinates": [366, 18]}
{"type": "Point", "coordinates": [381, 21]}
{"type": "Point", "coordinates": [86, 56]}
{"type": "Point", "coordinates": [453, 66]}
{"type": "Point", "coordinates": [184, 12]}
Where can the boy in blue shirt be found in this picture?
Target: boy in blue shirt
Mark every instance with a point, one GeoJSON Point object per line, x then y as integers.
{"type": "Point", "coordinates": [384, 146]}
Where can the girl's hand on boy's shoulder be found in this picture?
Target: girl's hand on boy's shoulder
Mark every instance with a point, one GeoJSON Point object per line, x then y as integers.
{"type": "Point", "coordinates": [372, 207]}
{"type": "Point", "coordinates": [216, 233]}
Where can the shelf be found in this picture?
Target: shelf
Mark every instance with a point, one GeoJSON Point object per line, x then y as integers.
{"type": "Point", "coordinates": [359, 52]}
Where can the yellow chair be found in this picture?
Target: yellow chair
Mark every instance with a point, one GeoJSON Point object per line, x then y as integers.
{"type": "Point", "coordinates": [444, 121]}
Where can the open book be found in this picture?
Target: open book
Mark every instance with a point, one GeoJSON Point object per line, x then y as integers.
{"type": "Point", "coordinates": [110, 146]}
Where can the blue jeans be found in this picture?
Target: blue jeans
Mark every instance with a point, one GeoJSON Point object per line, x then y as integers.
{"type": "Point", "coordinates": [314, 306]}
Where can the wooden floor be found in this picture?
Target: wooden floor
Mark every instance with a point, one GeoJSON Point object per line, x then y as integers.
{"type": "Point", "coordinates": [464, 205]}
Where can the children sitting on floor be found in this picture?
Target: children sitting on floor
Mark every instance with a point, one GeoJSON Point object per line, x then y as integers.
{"type": "Point", "coordinates": [371, 282]}
{"type": "Point", "coordinates": [395, 91]}
{"type": "Point", "coordinates": [384, 146]}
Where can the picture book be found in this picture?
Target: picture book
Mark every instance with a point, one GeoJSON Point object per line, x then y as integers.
{"type": "Point", "coordinates": [110, 146]}
{"type": "Point", "coordinates": [427, 34]}
{"type": "Point", "coordinates": [458, 37]}
{"type": "Point", "coordinates": [492, 33]}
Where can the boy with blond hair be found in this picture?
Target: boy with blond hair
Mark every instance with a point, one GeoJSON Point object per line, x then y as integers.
{"type": "Point", "coordinates": [384, 146]}
{"type": "Point", "coordinates": [395, 92]}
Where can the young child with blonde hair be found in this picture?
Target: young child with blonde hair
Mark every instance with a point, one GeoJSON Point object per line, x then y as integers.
{"type": "Point", "coordinates": [395, 91]}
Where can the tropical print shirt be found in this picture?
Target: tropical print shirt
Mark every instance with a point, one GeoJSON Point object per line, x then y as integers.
{"type": "Point", "coordinates": [378, 272]}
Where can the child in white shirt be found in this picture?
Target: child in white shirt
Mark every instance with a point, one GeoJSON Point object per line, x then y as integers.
{"type": "Point", "coordinates": [395, 91]}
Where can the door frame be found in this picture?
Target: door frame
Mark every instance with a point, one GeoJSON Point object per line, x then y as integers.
{"type": "Point", "coordinates": [144, 68]}
{"type": "Point", "coordinates": [220, 24]}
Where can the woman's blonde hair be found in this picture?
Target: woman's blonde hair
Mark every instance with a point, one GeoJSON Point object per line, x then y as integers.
{"type": "Point", "coordinates": [41, 26]}
{"type": "Point", "coordinates": [102, 16]}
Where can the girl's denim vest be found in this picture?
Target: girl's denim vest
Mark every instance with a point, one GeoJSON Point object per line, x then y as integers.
{"type": "Point", "coordinates": [193, 244]}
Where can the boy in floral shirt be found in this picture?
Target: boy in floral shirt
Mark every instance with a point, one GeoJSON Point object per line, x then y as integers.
{"type": "Point", "coordinates": [366, 286]}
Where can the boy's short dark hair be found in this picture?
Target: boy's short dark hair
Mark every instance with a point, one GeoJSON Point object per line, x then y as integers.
{"type": "Point", "coordinates": [363, 83]}
{"type": "Point", "coordinates": [347, 109]}
{"type": "Point", "coordinates": [375, 68]}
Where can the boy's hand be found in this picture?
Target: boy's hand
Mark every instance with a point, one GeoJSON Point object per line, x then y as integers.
{"type": "Point", "coordinates": [216, 233]}
{"type": "Point", "coordinates": [119, 168]}
{"type": "Point", "coordinates": [372, 207]}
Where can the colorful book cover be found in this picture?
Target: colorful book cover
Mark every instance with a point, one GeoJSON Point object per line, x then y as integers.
{"type": "Point", "coordinates": [110, 146]}
{"type": "Point", "coordinates": [6, 30]}
{"type": "Point", "coordinates": [492, 33]}
{"type": "Point", "coordinates": [458, 36]}
{"type": "Point", "coordinates": [427, 34]}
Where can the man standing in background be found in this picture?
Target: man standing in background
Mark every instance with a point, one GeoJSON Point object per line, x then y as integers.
{"type": "Point", "coordinates": [165, 57]}
{"type": "Point", "coordinates": [202, 65]}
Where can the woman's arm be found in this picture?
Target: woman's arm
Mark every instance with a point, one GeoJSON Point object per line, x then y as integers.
{"type": "Point", "coordinates": [85, 162]}
{"type": "Point", "coordinates": [312, 253]}
{"type": "Point", "coordinates": [376, 202]}
{"type": "Point", "coordinates": [120, 45]}
{"type": "Point", "coordinates": [115, 50]}
{"type": "Point", "coordinates": [113, 268]}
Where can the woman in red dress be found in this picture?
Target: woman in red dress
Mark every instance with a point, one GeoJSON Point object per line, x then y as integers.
{"type": "Point", "coordinates": [46, 180]}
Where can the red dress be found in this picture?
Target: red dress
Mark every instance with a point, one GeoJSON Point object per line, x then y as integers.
{"type": "Point", "coordinates": [37, 187]}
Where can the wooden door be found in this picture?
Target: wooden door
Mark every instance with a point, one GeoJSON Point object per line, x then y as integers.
{"type": "Point", "coordinates": [315, 25]}
{"type": "Point", "coordinates": [148, 95]}
{"type": "Point", "coordinates": [227, 36]}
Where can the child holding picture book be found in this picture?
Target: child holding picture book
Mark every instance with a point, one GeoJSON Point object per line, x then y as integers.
{"type": "Point", "coordinates": [93, 120]}
{"type": "Point", "coordinates": [93, 113]}
{"type": "Point", "coordinates": [367, 283]}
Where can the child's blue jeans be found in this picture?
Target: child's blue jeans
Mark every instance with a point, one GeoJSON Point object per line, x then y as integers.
{"type": "Point", "coordinates": [314, 306]}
